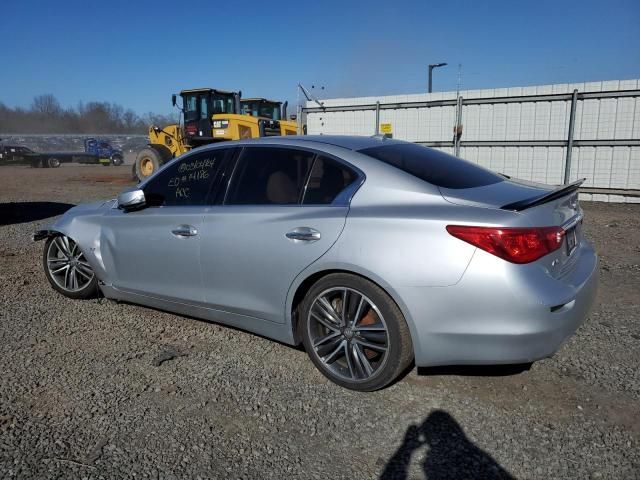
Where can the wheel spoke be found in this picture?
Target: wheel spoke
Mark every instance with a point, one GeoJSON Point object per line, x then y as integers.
{"type": "Point", "coordinates": [356, 317]}
{"type": "Point", "coordinates": [376, 327]}
{"type": "Point", "coordinates": [74, 278]}
{"type": "Point", "coordinates": [58, 270]}
{"type": "Point", "coordinates": [364, 361]}
{"type": "Point", "coordinates": [350, 363]}
{"type": "Point", "coordinates": [330, 325]}
{"type": "Point", "coordinates": [326, 338]}
{"type": "Point", "coordinates": [371, 346]}
{"type": "Point", "coordinates": [327, 309]}
{"type": "Point", "coordinates": [55, 262]}
{"type": "Point", "coordinates": [328, 347]}
{"type": "Point", "coordinates": [334, 355]}
{"type": "Point", "coordinates": [375, 336]}
{"type": "Point", "coordinates": [343, 313]}
{"type": "Point", "coordinates": [86, 275]}
{"type": "Point", "coordinates": [61, 247]}
{"type": "Point", "coordinates": [67, 246]}
{"type": "Point", "coordinates": [67, 278]}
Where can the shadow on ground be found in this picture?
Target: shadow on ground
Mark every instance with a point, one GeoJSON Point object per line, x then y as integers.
{"type": "Point", "coordinates": [476, 370]}
{"type": "Point", "coordinates": [450, 454]}
{"type": "Point", "coordinates": [22, 212]}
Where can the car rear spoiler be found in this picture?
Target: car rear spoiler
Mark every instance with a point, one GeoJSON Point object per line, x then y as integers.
{"type": "Point", "coordinates": [547, 197]}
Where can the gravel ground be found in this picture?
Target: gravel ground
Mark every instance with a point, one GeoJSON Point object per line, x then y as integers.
{"type": "Point", "coordinates": [97, 389]}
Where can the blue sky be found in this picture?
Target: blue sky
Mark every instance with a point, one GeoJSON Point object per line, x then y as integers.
{"type": "Point", "coordinates": [136, 53]}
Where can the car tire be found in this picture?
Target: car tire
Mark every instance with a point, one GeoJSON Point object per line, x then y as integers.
{"type": "Point", "coordinates": [52, 162]}
{"type": "Point", "coordinates": [364, 349]}
{"type": "Point", "coordinates": [148, 162]}
{"type": "Point", "coordinates": [62, 259]}
{"type": "Point", "coordinates": [117, 160]}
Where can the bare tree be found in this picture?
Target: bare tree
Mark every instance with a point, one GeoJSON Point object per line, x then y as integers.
{"type": "Point", "coordinates": [46, 104]}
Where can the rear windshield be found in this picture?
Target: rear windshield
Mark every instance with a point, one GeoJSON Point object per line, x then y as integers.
{"type": "Point", "coordinates": [434, 166]}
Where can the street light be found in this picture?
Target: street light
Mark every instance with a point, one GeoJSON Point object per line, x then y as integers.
{"type": "Point", "coordinates": [431, 67]}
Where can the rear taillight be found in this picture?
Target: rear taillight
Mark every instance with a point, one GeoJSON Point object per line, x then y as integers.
{"type": "Point", "coordinates": [516, 245]}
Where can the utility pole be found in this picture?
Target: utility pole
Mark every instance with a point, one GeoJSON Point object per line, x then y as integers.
{"type": "Point", "coordinates": [431, 67]}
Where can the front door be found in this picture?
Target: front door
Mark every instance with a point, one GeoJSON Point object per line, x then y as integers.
{"type": "Point", "coordinates": [156, 251]}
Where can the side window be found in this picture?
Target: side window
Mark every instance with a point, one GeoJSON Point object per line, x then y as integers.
{"type": "Point", "coordinates": [188, 181]}
{"type": "Point", "coordinates": [269, 176]}
{"type": "Point", "coordinates": [328, 178]}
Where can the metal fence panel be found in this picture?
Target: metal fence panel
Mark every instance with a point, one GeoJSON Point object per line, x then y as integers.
{"type": "Point", "coordinates": [520, 131]}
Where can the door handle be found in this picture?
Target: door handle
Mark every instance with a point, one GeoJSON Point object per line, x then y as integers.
{"type": "Point", "coordinates": [303, 234]}
{"type": "Point", "coordinates": [185, 231]}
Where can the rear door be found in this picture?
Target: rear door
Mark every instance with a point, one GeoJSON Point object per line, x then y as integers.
{"type": "Point", "coordinates": [283, 210]}
{"type": "Point", "coordinates": [155, 251]}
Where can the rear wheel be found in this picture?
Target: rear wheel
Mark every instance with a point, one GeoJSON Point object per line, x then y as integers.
{"type": "Point", "coordinates": [117, 160]}
{"type": "Point", "coordinates": [354, 332]}
{"type": "Point", "coordinates": [52, 162]}
{"type": "Point", "coordinates": [148, 162]}
{"type": "Point", "coordinates": [67, 268]}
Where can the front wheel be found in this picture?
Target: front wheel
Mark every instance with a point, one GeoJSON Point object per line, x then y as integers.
{"type": "Point", "coordinates": [354, 333]}
{"type": "Point", "coordinates": [67, 268]}
{"type": "Point", "coordinates": [148, 162]}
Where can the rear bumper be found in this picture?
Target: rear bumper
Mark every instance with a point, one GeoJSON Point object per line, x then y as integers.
{"type": "Point", "coordinates": [500, 313]}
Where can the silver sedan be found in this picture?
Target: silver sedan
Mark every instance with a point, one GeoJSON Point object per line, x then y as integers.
{"type": "Point", "coordinates": [373, 253]}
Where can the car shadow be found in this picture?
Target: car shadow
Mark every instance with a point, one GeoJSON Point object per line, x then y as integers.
{"type": "Point", "coordinates": [450, 454]}
{"type": "Point", "coordinates": [476, 370]}
{"type": "Point", "coordinates": [22, 212]}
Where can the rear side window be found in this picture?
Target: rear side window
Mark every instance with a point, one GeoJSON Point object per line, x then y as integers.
{"type": "Point", "coordinates": [434, 166]}
{"type": "Point", "coordinates": [328, 178]}
{"type": "Point", "coordinates": [269, 176]}
{"type": "Point", "coordinates": [188, 181]}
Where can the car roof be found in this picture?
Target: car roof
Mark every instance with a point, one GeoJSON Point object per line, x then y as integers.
{"type": "Point", "coordinates": [349, 142]}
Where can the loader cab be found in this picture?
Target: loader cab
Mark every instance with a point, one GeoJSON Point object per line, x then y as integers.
{"type": "Point", "coordinates": [199, 105]}
{"type": "Point", "coordinates": [261, 107]}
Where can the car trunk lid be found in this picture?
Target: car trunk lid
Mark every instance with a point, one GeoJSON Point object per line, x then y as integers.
{"type": "Point", "coordinates": [541, 205]}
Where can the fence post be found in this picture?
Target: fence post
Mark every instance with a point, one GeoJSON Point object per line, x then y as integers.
{"type": "Point", "coordinates": [572, 121]}
{"type": "Point", "coordinates": [456, 137]}
{"type": "Point", "coordinates": [377, 118]}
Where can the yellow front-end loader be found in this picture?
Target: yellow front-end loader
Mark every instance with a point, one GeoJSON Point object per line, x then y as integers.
{"type": "Point", "coordinates": [271, 110]}
{"type": "Point", "coordinates": [209, 116]}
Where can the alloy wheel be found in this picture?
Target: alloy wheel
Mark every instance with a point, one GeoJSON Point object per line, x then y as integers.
{"type": "Point", "coordinates": [348, 334]}
{"type": "Point", "coordinates": [67, 265]}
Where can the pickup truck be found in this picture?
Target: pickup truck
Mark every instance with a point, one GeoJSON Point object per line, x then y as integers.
{"type": "Point", "coordinates": [95, 151]}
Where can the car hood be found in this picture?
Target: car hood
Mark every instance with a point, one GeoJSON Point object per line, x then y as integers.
{"type": "Point", "coordinates": [90, 208]}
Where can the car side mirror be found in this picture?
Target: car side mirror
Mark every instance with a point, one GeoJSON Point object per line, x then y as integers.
{"type": "Point", "coordinates": [173, 99]}
{"type": "Point", "coordinates": [131, 200]}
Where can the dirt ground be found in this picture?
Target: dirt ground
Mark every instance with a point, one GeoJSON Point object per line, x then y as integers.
{"type": "Point", "coordinates": [97, 389]}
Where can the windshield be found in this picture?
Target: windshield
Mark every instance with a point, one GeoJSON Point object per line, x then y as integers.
{"type": "Point", "coordinates": [262, 109]}
{"type": "Point", "coordinates": [203, 105]}
{"type": "Point", "coordinates": [221, 103]}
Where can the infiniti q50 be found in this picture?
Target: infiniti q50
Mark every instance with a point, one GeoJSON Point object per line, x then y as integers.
{"type": "Point", "coordinates": [371, 252]}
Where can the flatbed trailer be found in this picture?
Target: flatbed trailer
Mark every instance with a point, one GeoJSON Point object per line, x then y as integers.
{"type": "Point", "coordinates": [96, 152]}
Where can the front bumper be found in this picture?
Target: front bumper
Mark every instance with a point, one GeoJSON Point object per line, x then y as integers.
{"type": "Point", "coordinates": [500, 313]}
